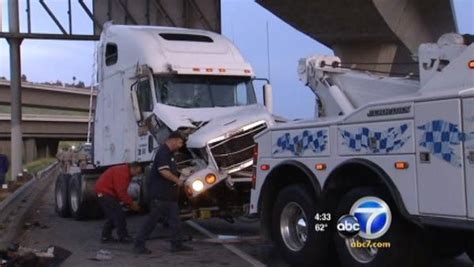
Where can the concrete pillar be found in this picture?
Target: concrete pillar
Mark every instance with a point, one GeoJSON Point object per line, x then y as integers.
{"type": "Point", "coordinates": [367, 53]}
{"type": "Point", "coordinates": [15, 80]}
{"type": "Point", "coordinates": [30, 152]}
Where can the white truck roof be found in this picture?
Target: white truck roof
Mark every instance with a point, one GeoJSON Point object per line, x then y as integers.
{"type": "Point", "coordinates": [167, 49]}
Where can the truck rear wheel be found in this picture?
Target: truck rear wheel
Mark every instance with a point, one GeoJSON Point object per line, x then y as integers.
{"type": "Point", "coordinates": [293, 227]}
{"type": "Point", "coordinates": [78, 205]}
{"type": "Point", "coordinates": [61, 195]}
{"type": "Point", "coordinates": [405, 240]}
{"type": "Point", "coordinates": [84, 204]}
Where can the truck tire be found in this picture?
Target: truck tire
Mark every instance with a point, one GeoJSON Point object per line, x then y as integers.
{"type": "Point", "coordinates": [61, 195]}
{"type": "Point", "coordinates": [470, 246]}
{"type": "Point", "coordinates": [79, 206]}
{"type": "Point", "coordinates": [406, 245]}
{"type": "Point", "coordinates": [293, 228]}
{"type": "Point", "coordinates": [451, 243]}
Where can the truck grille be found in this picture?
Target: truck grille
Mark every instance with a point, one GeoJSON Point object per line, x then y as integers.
{"type": "Point", "coordinates": [237, 149]}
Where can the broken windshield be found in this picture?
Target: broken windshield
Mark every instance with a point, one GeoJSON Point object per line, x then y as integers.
{"type": "Point", "coordinates": [204, 91]}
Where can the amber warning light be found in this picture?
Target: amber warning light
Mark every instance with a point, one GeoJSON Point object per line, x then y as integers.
{"type": "Point", "coordinates": [471, 64]}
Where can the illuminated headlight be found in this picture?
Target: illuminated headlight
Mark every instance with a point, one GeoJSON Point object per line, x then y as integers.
{"type": "Point", "coordinates": [197, 186]}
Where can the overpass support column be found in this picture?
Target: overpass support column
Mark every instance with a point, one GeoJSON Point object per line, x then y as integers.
{"type": "Point", "coordinates": [15, 78]}
{"type": "Point", "coordinates": [31, 152]}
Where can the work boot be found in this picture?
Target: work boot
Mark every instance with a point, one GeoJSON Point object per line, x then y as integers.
{"type": "Point", "coordinates": [180, 248]}
{"type": "Point", "coordinates": [141, 250]}
{"type": "Point", "coordinates": [107, 239]}
{"type": "Point", "coordinates": [126, 239]}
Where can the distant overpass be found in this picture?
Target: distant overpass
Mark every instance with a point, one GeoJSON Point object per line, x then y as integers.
{"type": "Point", "coordinates": [56, 114]}
{"type": "Point", "coordinates": [369, 31]}
{"type": "Point", "coordinates": [48, 96]}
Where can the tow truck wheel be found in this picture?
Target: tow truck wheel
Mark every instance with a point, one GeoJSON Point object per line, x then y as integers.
{"type": "Point", "coordinates": [293, 227]}
{"type": "Point", "coordinates": [78, 205]}
{"type": "Point", "coordinates": [470, 247]}
{"type": "Point", "coordinates": [61, 195]}
{"type": "Point", "coordinates": [406, 247]}
{"type": "Point", "coordinates": [455, 240]}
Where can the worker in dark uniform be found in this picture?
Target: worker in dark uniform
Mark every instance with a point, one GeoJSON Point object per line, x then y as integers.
{"type": "Point", "coordinates": [111, 189]}
{"type": "Point", "coordinates": [164, 186]}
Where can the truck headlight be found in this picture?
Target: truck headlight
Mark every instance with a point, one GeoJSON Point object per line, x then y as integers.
{"type": "Point", "coordinates": [211, 178]}
{"type": "Point", "coordinates": [198, 185]}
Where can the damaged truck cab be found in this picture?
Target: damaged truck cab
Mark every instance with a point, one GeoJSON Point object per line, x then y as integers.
{"type": "Point", "coordinates": [154, 80]}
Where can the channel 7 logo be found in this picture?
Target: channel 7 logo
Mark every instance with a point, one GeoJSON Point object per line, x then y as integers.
{"type": "Point", "coordinates": [369, 217]}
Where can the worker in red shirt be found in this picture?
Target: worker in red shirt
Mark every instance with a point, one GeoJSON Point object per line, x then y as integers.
{"type": "Point", "coordinates": [111, 189]}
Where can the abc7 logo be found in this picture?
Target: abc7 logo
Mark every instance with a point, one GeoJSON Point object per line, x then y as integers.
{"type": "Point", "coordinates": [348, 226]}
{"type": "Point", "coordinates": [370, 218]}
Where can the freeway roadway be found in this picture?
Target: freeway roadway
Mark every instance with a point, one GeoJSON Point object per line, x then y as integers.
{"type": "Point", "coordinates": [82, 239]}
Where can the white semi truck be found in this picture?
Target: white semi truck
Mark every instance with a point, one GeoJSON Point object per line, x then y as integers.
{"type": "Point", "coordinates": [395, 155]}
{"type": "Point", "coordinates": [154, 80]}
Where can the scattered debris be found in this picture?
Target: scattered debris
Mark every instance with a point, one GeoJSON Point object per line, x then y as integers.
{"type": "Point", "coordinates": [15, 255]}
{"type": "Point", "coordinates": [232, 239]}
{"type": "Point", "coordinates": [35, 224]}
{"type": "Point", "coordinates": [103, 255]}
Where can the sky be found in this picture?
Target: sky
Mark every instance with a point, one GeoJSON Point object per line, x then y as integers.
{"type": "Point", "coordinates": [61, 60]}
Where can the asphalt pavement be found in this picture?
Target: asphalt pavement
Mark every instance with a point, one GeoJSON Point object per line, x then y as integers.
{"type": "Point", "coordinates": [81, 238]}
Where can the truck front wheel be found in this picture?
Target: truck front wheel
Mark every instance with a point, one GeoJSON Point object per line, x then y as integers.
{"type": "Point", "coordinates": [399, 246]}
{"type": "Point", "coordinates": [293, 227]}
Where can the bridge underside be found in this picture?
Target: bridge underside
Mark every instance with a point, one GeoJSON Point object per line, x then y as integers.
{"type": "Point", "coordinates": [42, 134]}
{"type": "Point", "coordinates": [369, 31]}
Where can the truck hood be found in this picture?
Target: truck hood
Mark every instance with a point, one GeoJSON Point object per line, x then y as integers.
{"type": "Point", "coordinates": [212, 122]}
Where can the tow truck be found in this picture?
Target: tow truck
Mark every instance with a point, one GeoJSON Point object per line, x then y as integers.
{"type": "Point", "coordinates": [407, 142]}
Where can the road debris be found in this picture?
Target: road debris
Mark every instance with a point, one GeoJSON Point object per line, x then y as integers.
{"type": "Point", "coordinates": [103, 255]}
{"type": "Point", "coordinates": [15, 255]}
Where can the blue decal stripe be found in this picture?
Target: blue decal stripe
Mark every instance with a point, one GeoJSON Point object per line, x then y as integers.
{"type": "Point", "coordinates": [316, 141]}
{"type": "Point", "coordinates": [385, 142]}
{"type": "Point", "coordinates": [439, 136]}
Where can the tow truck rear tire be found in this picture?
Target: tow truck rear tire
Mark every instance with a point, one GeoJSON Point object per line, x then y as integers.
{"type": "Point", "coordinates": [407, 246]}
{"type": "Point", "coordinates": [450, 244]}
{"type": "Point", "coordinates": [293, 228]}
{"type": "Point", "coordinates": [78, 203]}
{"type": "Point", "coordinates": [470, 246]}
{"type": "Point", "coordinates": [61, 195]}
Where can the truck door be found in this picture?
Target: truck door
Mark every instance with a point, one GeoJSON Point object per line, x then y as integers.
{"type": "Point", "coordinates": [440, 161]}
{"type": "Point", "coordinates": [468, 123]}
{"type": "Point", "coordinates": [146, 104]}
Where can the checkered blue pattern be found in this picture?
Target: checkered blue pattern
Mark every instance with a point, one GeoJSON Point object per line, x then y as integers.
{"type": "Point", "coordinates": [470, 136]}
{"type": "Point", "coordinates": [439, 136]}
{"type": "Point", "coordinates": [316, 141]}
{"type": "Point", "coordinates": [370, 141]}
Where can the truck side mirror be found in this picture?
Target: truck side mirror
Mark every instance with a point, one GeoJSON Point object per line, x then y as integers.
{"type": "Point", "coordinates": [268, 97]}
{"type": "Point", "coordinates": [135, 104]}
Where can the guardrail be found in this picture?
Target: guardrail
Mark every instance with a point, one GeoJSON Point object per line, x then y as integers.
{"type": "Point", "coordinates": [15, 207]}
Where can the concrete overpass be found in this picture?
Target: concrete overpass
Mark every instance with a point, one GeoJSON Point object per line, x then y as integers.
{"type": "Point", "coordinates": [57, 114]}
{"type": "Point", "coordinates": [42, 133]}
{"type": "Point", "coordinates": [369, 31]}
{"type": "Point", "coordinates": [48, 96]}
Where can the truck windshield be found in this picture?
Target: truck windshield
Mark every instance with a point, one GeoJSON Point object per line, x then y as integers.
{"type": "Point", "coordinates": [204, 91]}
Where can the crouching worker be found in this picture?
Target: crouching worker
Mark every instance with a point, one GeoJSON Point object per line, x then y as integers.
{"type": "Point", "coordinates": [164, 185]}
{"type": "Point", "coordinates": [111, 189]}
